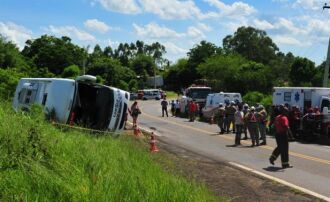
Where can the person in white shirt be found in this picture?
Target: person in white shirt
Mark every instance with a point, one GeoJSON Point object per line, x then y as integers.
{"type": "Point", "coordinates": [239, 122]}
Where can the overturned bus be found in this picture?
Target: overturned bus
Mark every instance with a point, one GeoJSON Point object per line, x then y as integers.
{"type": "Point", "coordinates": [81, 101]}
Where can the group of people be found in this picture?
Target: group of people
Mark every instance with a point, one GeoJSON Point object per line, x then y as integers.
{"type": "Point", "coordinates": [242, 118]}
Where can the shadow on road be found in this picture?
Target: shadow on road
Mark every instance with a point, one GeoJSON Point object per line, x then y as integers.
{"type": "Point", "coordinates": [273, 169]}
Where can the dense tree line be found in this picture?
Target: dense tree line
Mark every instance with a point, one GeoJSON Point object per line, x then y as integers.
{"type": "Point", "coordinates": [248, 61]}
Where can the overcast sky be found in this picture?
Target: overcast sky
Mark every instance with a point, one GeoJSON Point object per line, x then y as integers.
{"type": "Point", "coordinates": [299, 26]}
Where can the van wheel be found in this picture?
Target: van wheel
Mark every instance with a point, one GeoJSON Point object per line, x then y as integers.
{"type": "Point", "coordinates": [144, 98]}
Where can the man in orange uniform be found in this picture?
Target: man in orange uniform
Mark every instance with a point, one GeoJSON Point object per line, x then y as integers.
{"type": "Point", "coordinates": [282, 132]}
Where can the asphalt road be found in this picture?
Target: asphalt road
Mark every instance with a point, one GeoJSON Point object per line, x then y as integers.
{"type": "Point", "coordinates": [311, 162]}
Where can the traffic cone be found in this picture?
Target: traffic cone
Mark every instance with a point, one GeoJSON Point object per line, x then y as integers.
{"type": "Point", "coordinates": [153, 147]}
{"type": "Point", "coordinates": [137, 131]}
{"type": "Point", "coordinates": [211, 120]}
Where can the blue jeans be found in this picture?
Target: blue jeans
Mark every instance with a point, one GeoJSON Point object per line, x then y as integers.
{"type": "Point", "coordinates": [239, 128]}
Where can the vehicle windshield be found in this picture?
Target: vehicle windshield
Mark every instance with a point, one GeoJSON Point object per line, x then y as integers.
{"type": "Point", "coordinates": [198, 93]}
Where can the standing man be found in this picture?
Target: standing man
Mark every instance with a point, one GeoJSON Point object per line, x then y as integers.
{"type": "Point", "coordinates": [230, 111]}
{"type": "Point", "coordinates": [219, 116]}
{"type": "Point", "coordinates": [251, 119]}
{"type": "Point", "coordinates": [173, 108]}
{"type": "Point", "coordinates": [282, 132]}
{"type": "Point", "coordinates": [192, 110]}
{"type": "Point", "coordinates": [164, 104]}
{"type": "Point", "coordinates": [262, 123]}
{"type": "Point", "coordinates": [239, 116]}
{"type": "Point", "coordinates": [245, 111]}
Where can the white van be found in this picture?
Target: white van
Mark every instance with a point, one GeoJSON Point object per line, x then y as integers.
{"type": "Point", "coordinates": [82, 101]}
{"type": "Point", "coordinates": [154, 94]}
{"type": "Point", "coordinates": [213, 101]}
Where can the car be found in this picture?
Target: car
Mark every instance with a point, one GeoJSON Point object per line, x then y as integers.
{"type": "Point", "coordinates": [150, 94]}
{"type": "Point", "coordinates": [133, 96]}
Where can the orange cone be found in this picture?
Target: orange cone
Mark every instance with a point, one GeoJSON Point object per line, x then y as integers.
{"type": "Point", "coordinates": [137, 131]}
{"type": "Point", "coordinates": [153, 147]}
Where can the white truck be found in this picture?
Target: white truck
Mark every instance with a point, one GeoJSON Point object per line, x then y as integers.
{"type": "Point", "coordinates": [80, 101]}
{"type": "Point", "coordinates": [305, 98]}
{"type": "Point", "coordinates": [213, 100]}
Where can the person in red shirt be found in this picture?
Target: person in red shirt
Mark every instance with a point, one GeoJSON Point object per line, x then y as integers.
{"type": "Point", "coordinates": [282, 128]}
{"type": "Point", "coordinates": [192, 107]}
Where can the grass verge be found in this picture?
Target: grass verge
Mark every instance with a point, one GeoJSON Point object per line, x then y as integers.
{"type": "Point", "coordinates": [40, 162]}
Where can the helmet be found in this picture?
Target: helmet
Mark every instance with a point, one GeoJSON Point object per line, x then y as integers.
{"type": "Point", "coordinates": [253, 108]}
{"type": "Point", "coordinates": [261, 107]}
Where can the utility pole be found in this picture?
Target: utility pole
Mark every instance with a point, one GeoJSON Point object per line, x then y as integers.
{"type": "Point", "coordinates": [327, 63]}
{"type": "Point", "coordinates": [326, 68]}
{"type": "Point", "coordinates": [84, 61]}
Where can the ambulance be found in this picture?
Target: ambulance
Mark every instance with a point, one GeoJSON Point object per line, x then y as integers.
{"type": "Point", "coordinates": [306, 99]}
{"type": "Point", "coordinates": [213, 100]}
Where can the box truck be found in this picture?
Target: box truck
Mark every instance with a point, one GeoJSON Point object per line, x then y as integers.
{"type": "Point", "coordinates": [81, 101]}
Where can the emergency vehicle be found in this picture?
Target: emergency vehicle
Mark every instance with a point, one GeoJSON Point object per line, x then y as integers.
{"type": "Point", "coordinates": [307, 99]}
{"type": "Point", "coordinates": [213, 100]}
{"type": "Point", "coordinates": [81, 101]}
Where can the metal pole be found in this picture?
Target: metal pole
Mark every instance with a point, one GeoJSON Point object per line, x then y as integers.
{"type": "Point", "coordinates": [326, 68]}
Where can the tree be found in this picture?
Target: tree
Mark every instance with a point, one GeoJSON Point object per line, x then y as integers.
{"type": "Point", "coordinates": [302, 71]}
{"type": "Point", "coordinates": [54, 53]}
{"type": "Point", "coordinates": [71, 71]}
{"type": "Point", "coordinates": [143, 65]}
{"type": "Point", "coordinates": [10, 56]}
{"type": "Point", "coordinates": [254, 44]}
{"type": "Point", "coordinates": [177, 75]}
{"type": "Point", "coordinates": [197, 55]}
{"type": "Point", "coordinates": [111, 71]}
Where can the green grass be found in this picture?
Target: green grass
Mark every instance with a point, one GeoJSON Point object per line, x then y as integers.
{"type": "Point", "coordinates": [171, 95]}
{"type": "Point", "coordinates": [40, 162]}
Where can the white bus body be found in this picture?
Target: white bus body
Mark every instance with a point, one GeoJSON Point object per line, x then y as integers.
{"type": "Point", "coordinates": [91, 105]}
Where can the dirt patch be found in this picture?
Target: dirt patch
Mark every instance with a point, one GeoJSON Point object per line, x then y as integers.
{"type": "Point", "coordinates": [224, 179]}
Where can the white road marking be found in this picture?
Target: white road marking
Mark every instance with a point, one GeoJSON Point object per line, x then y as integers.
{"type": "Point", "coordinates": [281, 181]}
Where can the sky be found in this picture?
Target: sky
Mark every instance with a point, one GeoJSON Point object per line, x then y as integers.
{"type": "Point", "coordinates": [298, 26]}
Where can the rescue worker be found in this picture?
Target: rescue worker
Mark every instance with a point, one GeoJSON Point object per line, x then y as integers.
{"type": "Point", "coordinates": [164, 105]}
{"type": "Point", "coordinates": [177, 108]}
{"type": "Point", "coordinates": [251, 119]}
{"type": "Point", "coordinates": [230, 111]}
{"type": "Point", "coordinates": [173, 108]}
{"type": "Point", "coordinates": [245, 111]}
{"type": "Point", "coordinates": [294, 120]}
{"type": "Point", "coordinates": [219, 116]}
{"type": "Point", "coordinates": [192, 108]}
{"type": "Point", "coordinates": [282, 135]}
{"type": "Point", "coordinates": [262, 123]}
{"type": "Point", "coordinates": [239, 122]}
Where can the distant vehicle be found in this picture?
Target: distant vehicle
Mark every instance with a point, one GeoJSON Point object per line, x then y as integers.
{"type": "Point", "coordinates": [149, 94]}
{"type": "Point", "coordinates": [133, 96]}
{"type": "Point", "coordinates": [213, 101]}
{"type": "Point", "coordinates": [307, 98]}
{"type": "Point", "coordinates": [198, 93]}
{"type": "Point", "coordinates": [81, 101]}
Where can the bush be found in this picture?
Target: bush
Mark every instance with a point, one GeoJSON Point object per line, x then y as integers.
{"type": "Point", "coordinates": [71, 71]}
{"type": "Point", "coordinates": [253, 97]}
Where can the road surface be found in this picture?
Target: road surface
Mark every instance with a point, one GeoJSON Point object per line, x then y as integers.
{"type": "Point", "coordinates": [311, 162]}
